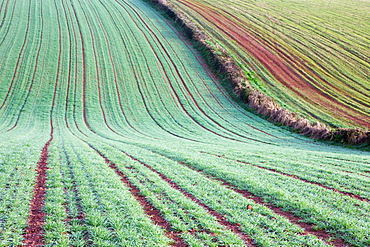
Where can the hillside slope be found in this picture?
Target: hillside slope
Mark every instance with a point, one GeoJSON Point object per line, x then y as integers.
{"type": "Point", "coordinates": [312, 57]}
{"type": "Point", "coordinates": [117, 134]}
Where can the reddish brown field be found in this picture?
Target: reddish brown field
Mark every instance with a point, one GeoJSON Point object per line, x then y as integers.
{"type": "Point", "coordinates": [293, 71]}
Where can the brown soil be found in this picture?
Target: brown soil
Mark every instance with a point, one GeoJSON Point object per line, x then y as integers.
{"type": "Point", "coordinates": [282, 66]}
{"type": "Point", "coordinates": [33, 233]}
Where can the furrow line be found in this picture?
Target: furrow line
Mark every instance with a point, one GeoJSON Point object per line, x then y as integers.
{"type": "Point", "coordinates": [19, 57]}
{"type": "Point", "coordinates": [182, 82]}
{"type": "Point", "coordinates": [178, 74]}
{"type": "Point", "coordinates": [84, 92]}
{"type": "Point", "coordinates": [149, 72]}
{"type": "Point", "coordinates": [83, 65]}
{"type": "Point", "coordinates": [8, 27]}
{"type": "Point", "coordinates": [142, 94]}
{"type": "Point", "coordinates": [80, 212]}
{"type": "Point", "coordinates": [214, 79]}
{"type": "Point", "coordinates": [279, 71]}
{"type": "Point", "coordinates": [72, 27]}
{"type": "Point", "coordinates": [221, 219]}
{"type": "Point", "coordinates": [97, 75]}
{"type": "Point", "coordinates": [118, 94]}
{"type": "Point", "coordinates": [34, 70]}
{"type": "Point", "coordinates": [296, 177]}
{"type": "Point", "coordinates": [69, 62]}
{"type": "Point", "coordinates": [153, 213]}
{"type": "Point", "coordinates": [96, 197]}
{"type": "Point", "coordinates": [308, 228]}
{"type": "Point", "coordinates": [33, 231]}
{"type": "Point", "coordinates": [33, 235]}
{"type": "Point", "coordinates": [114, 74]}
{"type": "Point", "coordinates": [5, 11]}
{"type": "Point", "coordinates": [315, 183]}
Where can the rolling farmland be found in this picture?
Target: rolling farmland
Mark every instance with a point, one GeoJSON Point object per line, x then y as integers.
{"type": "Point", "coordinates": [113, 132]}
{"type": "Point", "coordinates": [312, 57]}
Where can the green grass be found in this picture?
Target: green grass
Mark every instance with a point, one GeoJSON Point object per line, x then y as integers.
{"type": "Point", "coordinates": [112, 80]}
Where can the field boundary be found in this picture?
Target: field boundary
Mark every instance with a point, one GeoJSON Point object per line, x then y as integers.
{"type": "Point", "coordinates": [224, 65]}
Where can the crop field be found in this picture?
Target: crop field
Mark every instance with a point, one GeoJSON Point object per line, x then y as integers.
{"type": "Point", "coordinates": [113, 132]}
{"type": "Point", "coordinates": [311, 56]}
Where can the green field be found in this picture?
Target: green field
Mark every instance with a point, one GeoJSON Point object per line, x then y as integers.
{"type": "Point", "coordinates": [312, 56]}
{"type": "Point", "coordinates": [113, 132]}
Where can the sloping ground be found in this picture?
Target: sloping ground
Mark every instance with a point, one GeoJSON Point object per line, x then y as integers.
{"type": "Point", "coordinates": [311, 56]}
{"type": "Point", "coordinates": [115, 132]}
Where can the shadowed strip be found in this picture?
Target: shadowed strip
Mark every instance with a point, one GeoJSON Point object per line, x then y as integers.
{"type": "Point", "coordinates": [80, 212]}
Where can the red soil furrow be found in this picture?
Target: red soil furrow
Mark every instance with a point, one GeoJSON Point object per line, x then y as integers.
{"type": "Point", "coordinates": [114, 74]}
{"type": "Point", "coordinates": [340, 78]}
{"type": "Point", "coordinates": [97, 74]}
{"type": "Point", "coordinates": [7, 27]}
{"type": "Point", "coordinates": [34, 72]}
{"type": "Point", "coordinates": [33, 235]}
{"type": "Point", "coordinates": [301, 66]}
{"type": "Point", "coordinates": [19, 58]}
{"type": "Point", "coordinates": [187, 91]}
{"type": "Point", "coordinates": [213, 77]}
{"type": "Point", "coordinates": [221, 219]}
{"type": "Point", "coordinates": [347, 160]}
{"type": "Point", "coordinates": [69, 62]}
{"type": "Point", "coordinates": [95, 196]}
{"type": "Point", "coordinates": [161, 68]}
{"type": "Point", "coordinates": [33, 232]}
{"type": "Point", "coordinates": [84, 88]}
{"type": "Point", "coordinates": [162, 65]}
{"type": "Point", "coordinates": [71, 29]}
{"type": "Point", "coordinates": [83, 98]}
{"type": "Point", "coordinates": [281, 69]}
{"type": "Point", "coordinates": [308, 228]}
{"type": "Point", "coordinates": [153, 213]}
{"type": "Point", "coordinates": [118, 93]}
{"type": "Point", "coordinates": [141, 91]}
{"type": "Point", "coordinates": [5, 11]}
{"type": "Point", "coordinates": [359, 174]}
{"type": "Point", "coordinates": [83, 65]}
{"type": "Point", "coordinates": [133, 36]}
{"type": "Point", "coordinates": [298, 178]}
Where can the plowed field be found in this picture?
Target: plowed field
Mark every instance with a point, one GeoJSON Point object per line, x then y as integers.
{"type": "Point", "coordinates": [114, 133]}
{"type": "Point", "coordinates": [310, 56]}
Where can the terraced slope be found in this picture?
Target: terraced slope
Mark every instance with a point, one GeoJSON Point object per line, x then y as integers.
{"type": "Point", "coordinates": [310, 56]}
{"type": "Point", "coordinates": [115, 133]}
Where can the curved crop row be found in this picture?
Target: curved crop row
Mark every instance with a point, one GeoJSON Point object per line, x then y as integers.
{"type": "Point", "coordinates": [304, 61]}
{"type": "Point", "coordinates": [262, 104]}
{"type": "Point", "coordinates": [144, 147]}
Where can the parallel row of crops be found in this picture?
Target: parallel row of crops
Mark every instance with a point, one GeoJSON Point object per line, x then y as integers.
{"type": "Point", "coordinates": [143, 146]}
{"type": "Point", "coordinates": [310, 56]}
